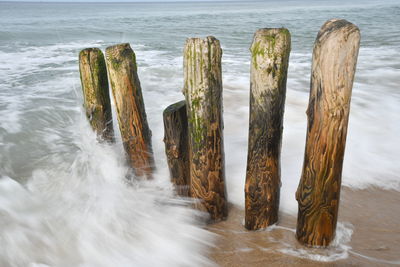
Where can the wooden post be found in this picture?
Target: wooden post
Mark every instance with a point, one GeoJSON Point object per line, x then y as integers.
{"type": "Point", "coordinates": [203, 92]}
{"type": "Point", "coordinates": [93, 72]}
{"type": "Point", "coordinates": [270, 52]}
{"type": "Point", "coordinates": [177, 146]}
{"type": "Point", "coordinates": [125, 84]}
{"type": "Point", "coordinates": [333, 67]}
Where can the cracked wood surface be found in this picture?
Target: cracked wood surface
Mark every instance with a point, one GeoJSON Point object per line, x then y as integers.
{"type": "Point", "coordinates": [203, 92]}
{"type": "Point", "coordinates": [93, 73]}
{"type": "Point", "coordinates": [177, 146]}
{"type": "Point", "coordinates": [132, 120]}
{"type": "Point", "coordinates": [268, 74]}
{"type": "Point", "coordinates": [333, 67]}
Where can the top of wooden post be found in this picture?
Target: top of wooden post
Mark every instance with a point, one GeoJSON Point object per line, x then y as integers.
{"type": "Point", "coordinates": [333, 25]}
{"type": "Point", "coordinates": [204, 56]}
{"type": "Point", "coordinates": [337, 43]}
{"type": "Point", "coordinates": [117, 54]}
{"type": "Point", "coordinates": [270, 52]}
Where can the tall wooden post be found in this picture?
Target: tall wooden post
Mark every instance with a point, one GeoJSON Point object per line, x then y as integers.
{"type": "Point", "coordinates": [203, 92]}
{"type": "Point", "coordinates": [125, 84]}
{"type": "Point", "coordinates": [333, 67]}
{"type": "Point", "coordinates": [268, 73]}
{"type": "Point", "coordinates": [177, 146]}
{"type": "Point", "coordinates": [93, 72]}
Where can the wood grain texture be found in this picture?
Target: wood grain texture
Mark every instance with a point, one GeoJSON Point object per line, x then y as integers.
{"type": "Point", "coordinates": [127, 92]}
{"type": "Point", "coordinates": [268, 74]}
{"type": "Point", "coordinates": [333, 67]}
{"type": "Point", "coordinates": [93, 73]}
{"type": "Point", "coordinates": [177, 146]}
{"type": "Point", "coordinates": [203, 92]}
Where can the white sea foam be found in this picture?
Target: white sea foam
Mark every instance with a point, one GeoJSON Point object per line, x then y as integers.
{"type": "Point", "coordinates": [339, 249]}
{"type": "Point", "coordinates": [84, 213]}
{"type": "Point", "coordinates": [77, 209]}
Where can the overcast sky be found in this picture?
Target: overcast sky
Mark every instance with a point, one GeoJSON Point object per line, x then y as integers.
{"type": "Point", "coordinates": [108, 0]}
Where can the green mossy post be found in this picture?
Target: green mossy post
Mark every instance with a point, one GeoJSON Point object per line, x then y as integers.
{"type": "Point", "coordinates": [268, 74]}
{"type": "Point", "coordinates": [127, 92]}
{"type": "Point", "coordinates": [333, 67]}
{"type": "Point", "coordinates": [93, 72]}
{"type": "Point", "coordinates": [203, 92]}
{"type": "Point", "coordinates": [177, 146]}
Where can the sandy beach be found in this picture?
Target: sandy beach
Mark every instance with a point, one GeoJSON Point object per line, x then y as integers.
{"type": "Point", "coordinates": [372, 214]}
{"type": "Point", "coordinates": [64, 198]}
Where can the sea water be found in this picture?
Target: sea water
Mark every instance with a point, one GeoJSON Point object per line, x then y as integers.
{"type": "Point", "coordinates": [64, 199]}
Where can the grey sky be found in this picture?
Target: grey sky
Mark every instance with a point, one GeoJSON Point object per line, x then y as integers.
{"type": "Point", "coordinates": [111, 0]}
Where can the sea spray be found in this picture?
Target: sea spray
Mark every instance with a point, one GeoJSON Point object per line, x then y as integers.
{"type": "Point", "coordinates": [39, 45]}
{"type": "Point", "coordinates": [339, 249]}
{"type": "Point", "coordinates": [85, 213]}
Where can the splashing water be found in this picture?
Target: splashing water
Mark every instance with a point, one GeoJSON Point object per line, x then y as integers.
{"type": "Point", "coordinates": [338, 250]}
{"type": "Point", "coordinates": [85, 213]}
{"type": "Point", "coordinates": [67, 202]}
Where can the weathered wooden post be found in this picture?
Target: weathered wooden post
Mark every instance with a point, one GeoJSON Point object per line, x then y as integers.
{"type": "Point", "coordinates": [177, 146]}
{"type": "Point", "coordinates": [270, 52]}
{"type": "Point", "coordinates": [125, 84]}
{"type": "Point", "coordinates": [203, 92]}
{"type": "Point", "coordinates": [333, 67]}
{"type": "Point", "coordinates": [93, 72]}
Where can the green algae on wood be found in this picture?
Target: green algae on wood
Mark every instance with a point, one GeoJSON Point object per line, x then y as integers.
{"type": "Point", "coordinates": [132, 119]}
{"type": "Point", "coordinates": [332, 74]}
{"type": "Point", "coordinates": [203, 92]}
{"type": "Point", "coordinates": [268, 74]}
{"type": "Point", "coordinates": [177, 146]}
{"type": "Point", "coordinates": [96, 96]}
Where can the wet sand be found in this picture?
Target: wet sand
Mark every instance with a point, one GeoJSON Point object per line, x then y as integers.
{"type": "Point", "coordinates": [373, 214]}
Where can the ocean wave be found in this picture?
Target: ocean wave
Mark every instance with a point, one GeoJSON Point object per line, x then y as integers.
{"type": "Point", "coordinates": [85, 213]}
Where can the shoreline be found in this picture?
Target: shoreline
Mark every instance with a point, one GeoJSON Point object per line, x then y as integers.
{"type": "Point", "coordinates": [366, 235]}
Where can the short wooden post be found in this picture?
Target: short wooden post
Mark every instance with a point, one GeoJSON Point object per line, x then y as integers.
{"type": "Point", "coordinates": [203, 92]}
{"type": "Point", "coordinates": [93, 72]}
{"type": "Point", "coordinates": [333, 67]}
{"type": "Point", "coordinates": [268, 73]}
{"type": "Point", "coordinates": [125, 84]}
{"type": "Point", "coordinates": [177, 146]}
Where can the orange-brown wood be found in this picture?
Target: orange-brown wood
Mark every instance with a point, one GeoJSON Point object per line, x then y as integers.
{"type": "Point", "coordinates": [127, 92]}
{"type": "Point", "coordinates": [93, 72]}
{"type": "Point", "coordinates": [268, 73]}
{"type": "Point", "coordinates": [333, 68]}
{"type": "Point", "coordinates": [203, 92]}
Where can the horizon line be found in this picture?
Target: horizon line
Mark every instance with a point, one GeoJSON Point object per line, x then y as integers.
{"type": "Point", "coordinates": [128, 1]}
